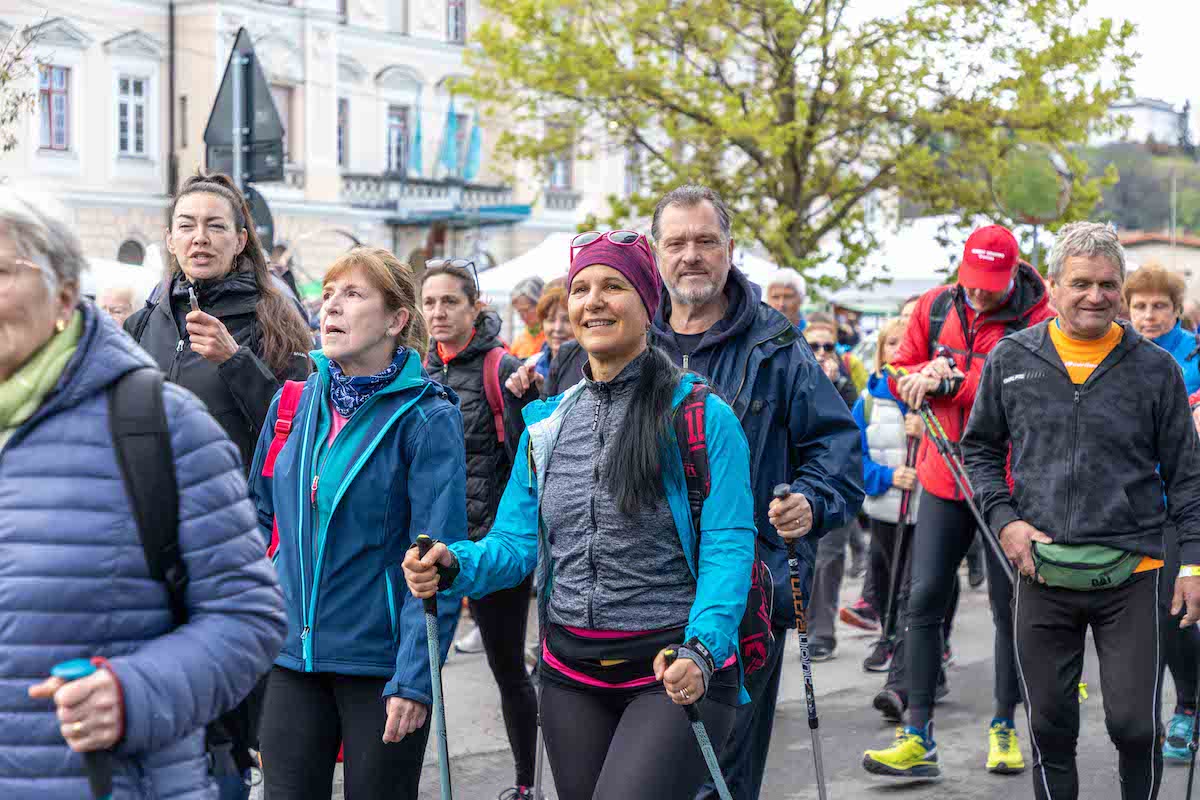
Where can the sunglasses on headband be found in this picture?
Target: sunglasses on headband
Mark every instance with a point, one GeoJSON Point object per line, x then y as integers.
{"type": "Point", "coordinates": [623, 238]}
{"type": "Point", "coordinates": [462, 263]}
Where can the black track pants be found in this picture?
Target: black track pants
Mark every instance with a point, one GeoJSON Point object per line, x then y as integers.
{"type": "Point", "coordinates": [502, 618]}
{"type": "Point", "coordinates": [943, 534]}
{"type": "Point", "coordinates": [308, 715]}
{"type": "Point", "coordinates": [1051, 630]}
{"type": "Point", "coordinates": [633, 745]}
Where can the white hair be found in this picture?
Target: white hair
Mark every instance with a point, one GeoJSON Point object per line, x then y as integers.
{"type": "Point", "coordinates": [38, 229]}
{"type": "Point", "coordinates": [1089, 240]}
{"type": "Point", "coordinates": [788, 277]}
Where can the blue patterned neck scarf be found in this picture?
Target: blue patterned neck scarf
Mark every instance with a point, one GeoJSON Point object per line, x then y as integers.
{"type": "Point", "coordinates": [349, 392]}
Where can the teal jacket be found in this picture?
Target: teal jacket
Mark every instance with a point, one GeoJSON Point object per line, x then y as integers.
{"type": "Point", "coordinates": [347, 513]}
{"type": "Point", "coordinates": [721, 565]}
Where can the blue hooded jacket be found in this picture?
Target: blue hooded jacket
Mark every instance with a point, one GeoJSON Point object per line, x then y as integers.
{"type": "Point", "coordinates": [877, 478]}
{"type": "Point", "coordinates": [517, 542]}
{"type": "Point", "coordinates": [1184, 346]}
{"type": "Point", "coordinates": [397, 470]}
{"type": "Point", "coordinates": [74, 583]}
{"type": "Point", "coordinates": [799, 430]}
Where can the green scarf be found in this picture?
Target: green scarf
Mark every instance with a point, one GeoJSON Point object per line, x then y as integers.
{"type": "Point", "coordinates": [23, 393]}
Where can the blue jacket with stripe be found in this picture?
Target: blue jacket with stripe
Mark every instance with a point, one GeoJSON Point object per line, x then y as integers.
{"type": "Point", "coordinates": [517, 543]}
{"type": "Point", "coordinates": [347, 512]}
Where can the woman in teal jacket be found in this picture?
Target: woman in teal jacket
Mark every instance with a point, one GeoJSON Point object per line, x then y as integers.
{"type": "Point", "coordinates": [374, 457]}
{"type": "Point", "coordinates": [597, 502]}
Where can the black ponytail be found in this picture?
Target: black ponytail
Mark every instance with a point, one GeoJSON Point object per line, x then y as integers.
{"type": "Point", "coordinates": [634, 469]}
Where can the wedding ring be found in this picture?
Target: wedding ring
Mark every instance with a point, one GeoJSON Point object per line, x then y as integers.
{"type": "Point", "coordinates": [684, 692]}
{"type": "Point", "coordinates": [76, 727]}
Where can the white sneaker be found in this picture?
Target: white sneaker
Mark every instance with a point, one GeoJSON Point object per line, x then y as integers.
{"type": "Point", "coordinates": [471, 643]}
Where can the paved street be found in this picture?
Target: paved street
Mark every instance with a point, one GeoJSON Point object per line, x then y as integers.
{"type": "Point", "coordinates": [482, 764]}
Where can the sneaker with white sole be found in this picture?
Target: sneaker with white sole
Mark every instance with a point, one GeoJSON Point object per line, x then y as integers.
{"type": "Point", "coordinates": [471, 643]}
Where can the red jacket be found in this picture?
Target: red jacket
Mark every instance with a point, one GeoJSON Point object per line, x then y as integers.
{"type": "Point", "coordinates": [1028, 303]}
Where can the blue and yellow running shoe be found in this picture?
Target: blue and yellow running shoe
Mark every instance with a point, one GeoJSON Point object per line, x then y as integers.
{"type": "Point", "coordinates": [913, 756]}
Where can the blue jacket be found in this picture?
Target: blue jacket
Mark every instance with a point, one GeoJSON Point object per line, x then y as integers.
{"type": "Point", "coordinates": [74, 584]}
{"type": "Point", "coordinates": [518, 542]}
{"type": "Point", "coordinates": [799, 430]}
{"type": "Point", "coordinates": [1184, 346]}
{"type": "Point", "coordinates": [397, 470]}
{"type": "Point", "coordinates": [877, 478]}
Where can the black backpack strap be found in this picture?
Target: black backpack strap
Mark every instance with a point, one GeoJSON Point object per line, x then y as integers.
{"type": "Point", "coordinates": [693, 450]}
{"type": "Point", "coordinates": [937, 317]}
{"type": "Point", "coordinates": [142, 442]}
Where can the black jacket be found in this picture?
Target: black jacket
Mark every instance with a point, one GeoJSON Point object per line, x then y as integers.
{"type": "Point", "coordinates": [237, 393]}
{"type": "Point", "coordinates": [565, 371]}
{"type": "Point", "coordinates": [1090, 464]}
{"type": "Point", "coordinates": [488, 461]}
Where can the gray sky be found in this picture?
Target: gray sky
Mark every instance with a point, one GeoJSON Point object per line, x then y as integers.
{"type": "Point", "coordinates": [1169, 66]}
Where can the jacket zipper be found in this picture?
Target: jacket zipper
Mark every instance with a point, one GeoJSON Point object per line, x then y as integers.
{"type": "Point", "coordinates": [306, 511]}
{"type": "Point", "coordinates": [686, 358]}
{"type": "Point", "coordinates": [173, 372]}
{"type": "Point", "coordinates": [391, 600]}
{"type": "Point", "coordinates": [1074, 451]}
{"type": "Point", "coordinates": [746, 369]}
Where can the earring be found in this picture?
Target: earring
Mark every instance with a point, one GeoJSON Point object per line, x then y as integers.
{"type": "Point", "coordinates": [60, 326]}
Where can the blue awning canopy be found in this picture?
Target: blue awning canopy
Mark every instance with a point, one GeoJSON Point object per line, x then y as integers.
{"type": "Point", "coordinates": [464, 217]}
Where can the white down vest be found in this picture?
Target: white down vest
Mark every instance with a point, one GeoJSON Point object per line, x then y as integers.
{"type": "Point", "coordinates": [887, 446]}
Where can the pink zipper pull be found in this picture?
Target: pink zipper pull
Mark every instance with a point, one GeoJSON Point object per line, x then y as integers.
{"type": "Point", "coordinates": [313, 494]}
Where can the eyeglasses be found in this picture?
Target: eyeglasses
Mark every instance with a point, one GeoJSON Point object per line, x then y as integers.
{"type": "Point", "coordinates": [828, 347]}
{"type": "Point", "coordinates": [623, 238]}
{"type": "Point", "coordinates": [9, 270]}
{"type": "Point", "coordinates": [461, 263]}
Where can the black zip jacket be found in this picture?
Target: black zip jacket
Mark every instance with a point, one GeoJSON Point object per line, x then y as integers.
{"type": "Point", "coordinates": [488, 462]}
{"type": "Point", "coordinates": [1090, 463]}
{"type": "Point", "coordinates": [237, 393]}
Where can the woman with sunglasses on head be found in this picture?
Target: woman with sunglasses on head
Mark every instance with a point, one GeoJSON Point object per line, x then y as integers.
{"type": "Point", "coordinates": [373, 459]}
{"type": "Point", "coordinates": [467, 356]}
{"type": "Point", "coordinates": [597, 501]}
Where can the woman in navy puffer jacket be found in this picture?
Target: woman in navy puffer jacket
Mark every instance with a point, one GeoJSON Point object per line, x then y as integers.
{"type": "Point", "coordinates": [74, 582]}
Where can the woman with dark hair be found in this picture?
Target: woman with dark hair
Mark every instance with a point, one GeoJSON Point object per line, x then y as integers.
{"type": "Point", "coordinates": [242, 337]}
{"type": "Point", "coordinates": [597, 501]}
{"type": "Point", "coordinates": [373, 459]}
{"type": "Point", "coordinates": [467, 345]}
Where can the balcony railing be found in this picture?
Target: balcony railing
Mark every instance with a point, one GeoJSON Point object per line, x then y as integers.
{"type": "Point", "coordinates": [558, 199]}
{"type": "Point", "coordinates": [397, 192]}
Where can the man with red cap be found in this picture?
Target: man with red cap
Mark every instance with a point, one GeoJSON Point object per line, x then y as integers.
{"type": "Point", "coordinates": [947, 342]}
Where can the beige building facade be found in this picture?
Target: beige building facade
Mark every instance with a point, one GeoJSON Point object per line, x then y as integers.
{"type": "Point", "coordinates": [363, 89]}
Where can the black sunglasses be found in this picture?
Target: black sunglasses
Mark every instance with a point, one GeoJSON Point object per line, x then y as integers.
{"type": "Point", "coordinates": [462, 263]}
{"type": "Point", "coordinates": [828, 347]}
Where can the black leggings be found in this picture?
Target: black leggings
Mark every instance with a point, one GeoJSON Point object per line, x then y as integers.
{"type": "Point", "coordinates": [502, 618]}
{"type": "Point", "coordinates": [306, 718]}
{"type": "Point", "coordinates": [943, 534]}
{"type": "Point", "coordinates": [632, 745]}
{"type": "Point", "coordinates": [1051, 630]}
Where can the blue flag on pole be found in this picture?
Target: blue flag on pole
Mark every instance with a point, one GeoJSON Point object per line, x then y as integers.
{"type": "Point", "coordinates": [474, 153]}
{"type": "Point", "coordinates": [449, 156]}
{"type": "Point", "coordinates": [415, 161]}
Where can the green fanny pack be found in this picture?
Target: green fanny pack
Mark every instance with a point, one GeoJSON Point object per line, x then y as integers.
{"type": "Point", "coordinates": [1083, 567]}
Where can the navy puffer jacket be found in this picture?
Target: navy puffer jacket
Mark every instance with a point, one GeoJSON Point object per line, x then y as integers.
{"type": "Point", "coordinates": [74, 584]}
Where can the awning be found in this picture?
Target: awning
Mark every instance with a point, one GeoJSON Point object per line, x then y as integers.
{"type": "Point", "coordinates": [464, 218]}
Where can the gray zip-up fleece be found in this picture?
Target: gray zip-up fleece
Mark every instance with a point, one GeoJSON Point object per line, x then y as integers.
{"type": "Point", "coordinates": [1090, 463]}
{"type": "Point", "coordinates": [611, 571]}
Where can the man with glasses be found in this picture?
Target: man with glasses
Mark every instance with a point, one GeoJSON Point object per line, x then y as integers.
{"type": "Point", "coordinates": [712, 321]}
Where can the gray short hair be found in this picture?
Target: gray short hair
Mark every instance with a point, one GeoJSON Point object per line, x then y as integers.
{"type": "Point", "coordinates": [788, 277]}
{"type": "Point", "coordinates": [689, 196]}
{"type": "Point", "coordinates": [1087, 239]}
{"type": "Point", "coordinates": [531, 287]}
{"type": "Point", "coordinates": [40, 233]}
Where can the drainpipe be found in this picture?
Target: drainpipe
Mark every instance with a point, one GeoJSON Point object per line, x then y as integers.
{"type": "Point", "coordinates": [172, 157]}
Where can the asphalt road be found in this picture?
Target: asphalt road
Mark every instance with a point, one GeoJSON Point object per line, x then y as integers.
{"type": "Point", "coordinates": [482, 764]}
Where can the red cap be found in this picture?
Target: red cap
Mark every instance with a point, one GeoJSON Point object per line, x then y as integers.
{"type": "Point", "coordinates": [988, 259]}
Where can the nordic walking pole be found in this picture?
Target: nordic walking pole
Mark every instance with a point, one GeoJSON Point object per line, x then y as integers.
{"type": "Point", "coordinates": [899, 552]}
{"type": "Point", "coordinates": [706, 748]}
{"type": "Point", "coordinates": [814, 724]}
{"type": "Point", "coordinates": [97, 763]}
{"type": "Point", "coordinates": [435, 673]}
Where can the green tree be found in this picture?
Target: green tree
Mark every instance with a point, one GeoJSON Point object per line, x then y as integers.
{"type": "Point", "coordinates": [797, 111]}
{"type": "Point", "coordinates": [16, 95]}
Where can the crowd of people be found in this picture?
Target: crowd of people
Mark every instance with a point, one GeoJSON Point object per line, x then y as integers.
{"type": "Point", "coordinates": [221, 518]}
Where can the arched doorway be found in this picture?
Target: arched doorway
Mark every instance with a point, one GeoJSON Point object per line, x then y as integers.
{"type": "Point", "coordinates": [131, 252]}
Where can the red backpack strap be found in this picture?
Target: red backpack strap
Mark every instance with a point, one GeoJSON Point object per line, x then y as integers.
{"type": "Point", "coordinates": [491, 388]}
{"type": "Point", "coordinates": [289, 401]}
{"type": "Point", "coordinates": [693, 449]}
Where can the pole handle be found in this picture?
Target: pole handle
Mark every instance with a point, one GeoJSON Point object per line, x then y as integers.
{"type": "Point", "coordinates": [692, 712]}
{"type": "Point", "coordinates": [424, 543]}
{"type": "Point", "coordinates": [98, 763]}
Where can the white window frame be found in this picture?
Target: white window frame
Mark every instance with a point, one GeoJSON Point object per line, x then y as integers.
{"type": "Point", "coordinates": [456, 21]}
{"type": "Point", "coordinates": [409, 128]}
{"type": "Point", "coordinates": [46, 106]}
{"type": "Point", "coordinates": [126, 107]}
{"type": "Point", "coordinates": [66, 163]}
{"type": "Point", "coordinates": [150, 165]}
